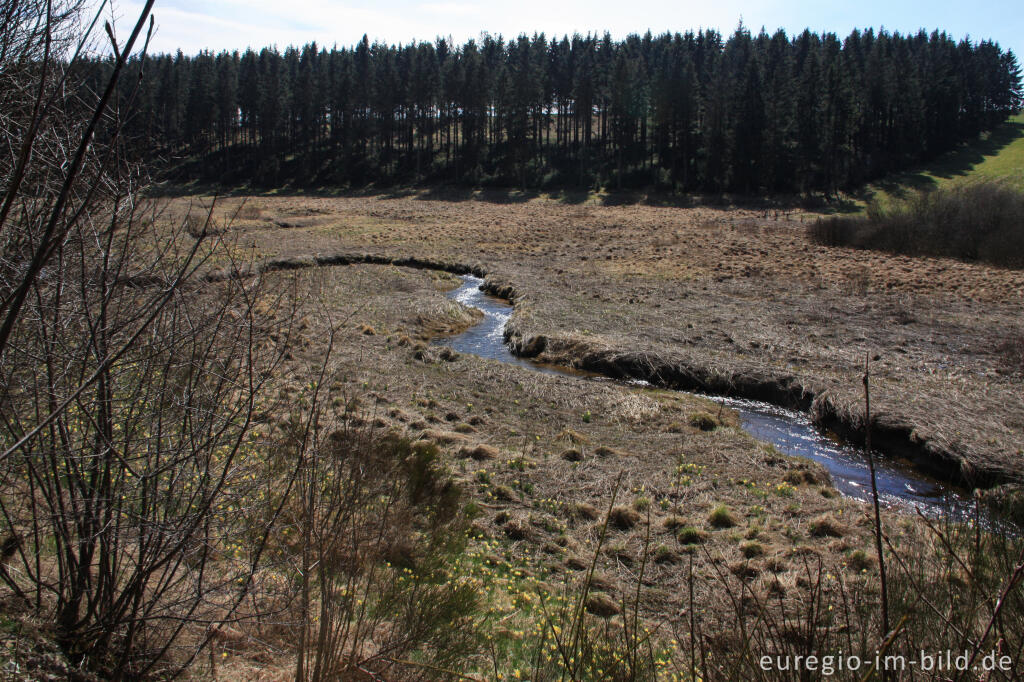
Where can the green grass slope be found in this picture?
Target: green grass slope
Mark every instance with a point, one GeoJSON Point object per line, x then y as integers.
{"type": "Point", "coordinates": [1008, 162]}
{"type": "Point", "coordinates": [998, 155]}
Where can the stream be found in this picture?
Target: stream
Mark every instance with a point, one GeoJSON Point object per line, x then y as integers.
{"type": "Point", "coordinates": [790, 431]}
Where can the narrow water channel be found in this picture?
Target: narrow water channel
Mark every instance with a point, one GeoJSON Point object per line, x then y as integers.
{"type": "Point", "coordinates": [790, 431]}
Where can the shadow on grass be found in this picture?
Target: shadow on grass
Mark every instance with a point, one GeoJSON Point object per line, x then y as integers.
{"type": "Point", "coordinates": [843, 205]}
{"type": "Point", "coordinates": [491, 195]}
{"type": "Point", "coordinates": [572, 197]}
{"type": "Point", "coordinates": [955, 164]}
{"type": "Point", "coordinates": [494, 195]}
{"type": "Point", "coordinates": [976, 221]}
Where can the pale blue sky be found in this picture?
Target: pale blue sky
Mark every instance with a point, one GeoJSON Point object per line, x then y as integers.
{"type": "Point", "coordinates": [236, 24]}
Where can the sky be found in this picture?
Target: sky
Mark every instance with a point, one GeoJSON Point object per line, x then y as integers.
{"type": "Point", "coordinates": [192, 25]}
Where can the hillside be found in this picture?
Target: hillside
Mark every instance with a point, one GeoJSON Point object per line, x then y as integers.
{"type": "Point", "coordinates": [998, 155]}
{"type": "Point", "coordinates": [676, 113]}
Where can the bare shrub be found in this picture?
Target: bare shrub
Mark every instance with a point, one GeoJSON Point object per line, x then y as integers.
{"type": "Point", "coordinates": [973, 221]}
{"type": "Point", "coordinates": [126, 409]}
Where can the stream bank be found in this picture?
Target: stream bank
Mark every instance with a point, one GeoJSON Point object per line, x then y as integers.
{"type": "Point", "coordinates": [780, 412]}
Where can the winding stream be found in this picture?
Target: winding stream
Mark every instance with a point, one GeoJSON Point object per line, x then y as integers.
{"type": "Point", "coordinates": [790, 431]}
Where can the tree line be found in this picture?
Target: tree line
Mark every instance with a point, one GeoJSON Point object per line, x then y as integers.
{"type": "Point", "coordinates": [680, 112]}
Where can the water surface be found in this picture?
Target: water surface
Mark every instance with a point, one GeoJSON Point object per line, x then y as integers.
{"type": "Point", "coordinates": [790, 431]}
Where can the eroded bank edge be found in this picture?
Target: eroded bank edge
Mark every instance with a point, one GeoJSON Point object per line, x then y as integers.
{"type": "Point", "coordinates": [891, 434]}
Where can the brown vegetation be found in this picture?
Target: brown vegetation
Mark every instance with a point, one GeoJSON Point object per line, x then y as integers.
{"type": "Point", "coordinates": [972, 221]}
{"type": "Point", "coordinates": [724, 300]}
{"type": "Point", "coordinates": [223, 456]}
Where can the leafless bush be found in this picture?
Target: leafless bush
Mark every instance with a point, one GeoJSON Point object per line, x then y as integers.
{"type": "Point", "coordinates": [377, 520]}
{"type": "Point", "coordinates": [125, 412]}
{"type": "Point", "coordinates": [976, 221]}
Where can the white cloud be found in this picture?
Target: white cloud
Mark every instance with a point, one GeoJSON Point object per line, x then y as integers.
{"type": "Point", "coordinates": [450, 8]}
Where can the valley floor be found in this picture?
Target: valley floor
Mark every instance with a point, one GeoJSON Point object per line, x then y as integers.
{"type": "Point", "coordinates": [723, 296]}
{"type": "Point", "coordinates": [717, 298]}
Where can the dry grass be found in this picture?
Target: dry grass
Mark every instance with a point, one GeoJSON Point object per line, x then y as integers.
{"type": "Point", "coordinates": [543, 511]}
{"type": "Point", "coordinates": [728, 294]}
{"type": "Point", "coordinates": [695, 304]}
{"type": "Point", "coordinates": [545, 506]}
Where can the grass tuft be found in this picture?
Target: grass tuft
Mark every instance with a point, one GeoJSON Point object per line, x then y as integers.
{"type": "Point", "coordinates": [703, 421]}
{"type": "Point", "coordinates": [826, 526]}
{"type": "Point", "coordinates": [688, 535]}
{"type": "Point", "coordinates": [721, 517]}
{"type": "Point", "coordinates": [623, 518]}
